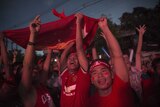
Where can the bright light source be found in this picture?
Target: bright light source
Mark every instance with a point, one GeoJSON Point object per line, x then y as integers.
{"type": "Point", "coordinates": [55, 60]}
{"type": "Point", "coordinates": [100, 56]}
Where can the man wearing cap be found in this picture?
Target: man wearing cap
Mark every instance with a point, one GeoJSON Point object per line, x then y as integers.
{"type": "Point", "coordinates": [74, 75]}
{"type": "Point", "coordinates": [113, 89]}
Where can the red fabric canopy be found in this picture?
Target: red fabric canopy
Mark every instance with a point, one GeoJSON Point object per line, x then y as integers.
{"type": "Point", "coordinates": [55, 34]}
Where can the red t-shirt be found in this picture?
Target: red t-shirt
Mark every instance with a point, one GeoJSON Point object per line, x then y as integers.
{"type": "Point", "coordinates": [75, 89]}
{"type": "Point", "coordinates": [121, 96]}
{"type": "Point", "coordinates": [43, 98]}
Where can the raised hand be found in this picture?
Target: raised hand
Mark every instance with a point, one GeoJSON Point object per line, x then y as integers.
{"type": "Point", "coordinates": [15, 52]}
{"type": "Point", "coordinates": [35, 25]}
{"type": "Point", "coordinates": [103, 22]}
{"type": "Point", "coordinates": [79, 17]}
{"type": "Point", "coordinates": [141, 30]}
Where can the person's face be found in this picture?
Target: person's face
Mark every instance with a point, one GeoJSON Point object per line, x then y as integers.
{"type": "Point", "coordinates": [101, 77]}
{"type": "Point", "coordinates": [72, 62]}
{"type": "Point", "coordinates": [16, 68]}
{"type": "Point", "coordinates": [35, 74]}
{"type": "Point", "coordinates": [55, 66]}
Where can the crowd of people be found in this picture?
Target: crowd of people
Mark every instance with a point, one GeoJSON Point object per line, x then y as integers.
{"type": "Point", "coordinates": [74, 80]}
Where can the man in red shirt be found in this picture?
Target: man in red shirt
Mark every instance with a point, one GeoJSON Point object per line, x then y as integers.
{"type": "Point", "coordinates": [75, 78]}
{"type": "Point", "coordinates": [113, 89]}
{"type": "Point", "coordinates": [32, 89]}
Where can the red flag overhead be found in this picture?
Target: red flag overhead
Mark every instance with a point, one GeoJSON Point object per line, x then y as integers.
{"type": "Point", "coordinates": [60, 15]}
{"type": "Point", "coordinates": [55, 34]}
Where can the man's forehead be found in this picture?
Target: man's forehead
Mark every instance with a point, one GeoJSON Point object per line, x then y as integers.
{"type": "Point", "coordinates": [100, 67]}
{"type": "Point", "coordinates": [72, 54]}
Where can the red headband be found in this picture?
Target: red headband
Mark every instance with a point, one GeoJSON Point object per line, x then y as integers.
{"type": "Point", "coordinates": [97, 63]}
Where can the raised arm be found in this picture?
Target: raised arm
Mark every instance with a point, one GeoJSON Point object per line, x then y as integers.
{"type": "Point", "coordinates": [63, 58]}
{"type": "Point", "coordinates": [118, 62]}
{"type": "Point", "coordinates": [109, 49]}
{"type": "Point", "coordinates": [46, 67]}
{"type": "Point", "coordinates": [4, 56]}
{"type": "Point", "coordinates": [141, 30]}
{"type": "Point", "coordinates": [14, 55]}
{"type": "Point", "coordinates": [29, 54]}
{"type": "Point", "coordinates": [94, 53]}
{"type": "Point", "coordinates": [79, 43]}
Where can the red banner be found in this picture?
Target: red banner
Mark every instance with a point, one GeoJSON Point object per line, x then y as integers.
{"type": "Point", "coordinates": [56, 34]}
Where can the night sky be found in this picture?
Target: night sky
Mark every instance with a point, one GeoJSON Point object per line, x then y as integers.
{"type": "Point", "coordinates": [18, 13]}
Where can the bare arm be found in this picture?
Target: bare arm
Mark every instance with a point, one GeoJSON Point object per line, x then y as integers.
{"type": "Point", "coordinates": [14, 56]}
{"type": "Point", "coordinates": [94, 53]}
{"type": "Point", "coordinates": [118, 62]}
{"type": "Point", "coordinates": [79, 43]}
{"type": "Point", "coordinates": [46, 67]}
{"type": "Point", "coordinates": [141, 30]}
{"type": "Point", "coordinates": [29, 55]}
{"type": "Point", "coordinates": [4, 56]}
{"type": "Point", "coordinates": [109, 49]}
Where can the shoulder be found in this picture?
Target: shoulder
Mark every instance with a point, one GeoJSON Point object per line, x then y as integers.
{"type": "Point", "coordinates": [119, 83]}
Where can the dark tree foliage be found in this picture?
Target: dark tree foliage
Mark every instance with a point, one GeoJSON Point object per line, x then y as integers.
{"type": "Point", "coordinates": [140, 16]}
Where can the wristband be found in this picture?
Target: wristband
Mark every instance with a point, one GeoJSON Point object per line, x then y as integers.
{"type": "Point", "coordinates": [31, 43]}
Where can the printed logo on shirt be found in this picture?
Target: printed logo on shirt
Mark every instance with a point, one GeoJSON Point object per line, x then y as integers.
{"type": "Point", "coordinates": [46, 98]}
{"type": "Point", "coordinates": [70, 90]}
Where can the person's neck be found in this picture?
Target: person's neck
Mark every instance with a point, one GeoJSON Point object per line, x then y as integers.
{"type": "Point", "coordinates": [73, 71]}
{"type": "Point", "coordinates": [105, 92]}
